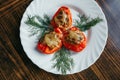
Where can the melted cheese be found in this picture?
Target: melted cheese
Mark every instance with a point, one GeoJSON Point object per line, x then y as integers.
{"type": "Point", "coordinates": [62, 21]}
{"type": "Point", "coordinates": [51, 40]}
{"type": "Point", "coordinates": [75, 37]}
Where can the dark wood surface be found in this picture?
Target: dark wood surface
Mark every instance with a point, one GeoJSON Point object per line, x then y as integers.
{"type": "Point", "coordinates": [15, 65]}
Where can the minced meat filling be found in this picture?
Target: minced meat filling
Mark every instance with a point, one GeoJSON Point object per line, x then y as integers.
{"type": "Point", "coordinates": [75, 37]}
{"type": "Point", "coordinates": [62, 19]}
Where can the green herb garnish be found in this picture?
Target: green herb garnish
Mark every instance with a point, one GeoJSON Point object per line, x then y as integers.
{"type": "Point", "coordinates": [39, 24]}
{"type": "Point", "coordinates": [63, 60]}
{"type": "Point", "coordinates": [84, 23]}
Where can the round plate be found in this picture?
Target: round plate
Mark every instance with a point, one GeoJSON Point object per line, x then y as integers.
{"type": "Point", "coordinates": [97, 36]}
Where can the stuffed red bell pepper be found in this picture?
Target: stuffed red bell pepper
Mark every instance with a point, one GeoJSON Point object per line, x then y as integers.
{"type": "Point", "coordinates": [74, 39]}
{"type": "Point", "coordinates": [62, 18]}
{"type": "Point", "coordinates": [51, 42]}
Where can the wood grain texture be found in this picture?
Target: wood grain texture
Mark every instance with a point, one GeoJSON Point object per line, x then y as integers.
{"type": "Point", "coordinates": [15, 65]}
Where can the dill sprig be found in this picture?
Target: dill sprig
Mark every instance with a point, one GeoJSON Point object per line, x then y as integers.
{"type": "Point", "coordinates": [39, 24]}
{"type": "Point", "coordinates": [63, 60]}
{"type": "Point", "coordinates": [85, 23]}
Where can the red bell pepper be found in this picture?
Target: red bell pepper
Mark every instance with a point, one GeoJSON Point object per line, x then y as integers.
{"type": "Point", "coordinates": [46, 50]}
{"type": "Point", "coordinates": [73, 46]}
{"type": "Point", "coordinates": [42, 47]}
{"type": "Point", "coordinates": [61, 21]}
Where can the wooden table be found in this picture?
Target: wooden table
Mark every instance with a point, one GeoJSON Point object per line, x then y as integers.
{"type": "Point", "coordinates": [15, 65]}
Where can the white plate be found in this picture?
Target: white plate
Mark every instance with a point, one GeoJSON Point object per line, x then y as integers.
{"type": "Point", "coordinates": [97, 36]}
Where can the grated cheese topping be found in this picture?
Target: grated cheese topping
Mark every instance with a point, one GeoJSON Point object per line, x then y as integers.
{"type": "Point", "coordinates": [51, 40]}
{"type": "Point", "coordinates": [62, 19]}
{"type": "Point", "coordinates": [75, 37]}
